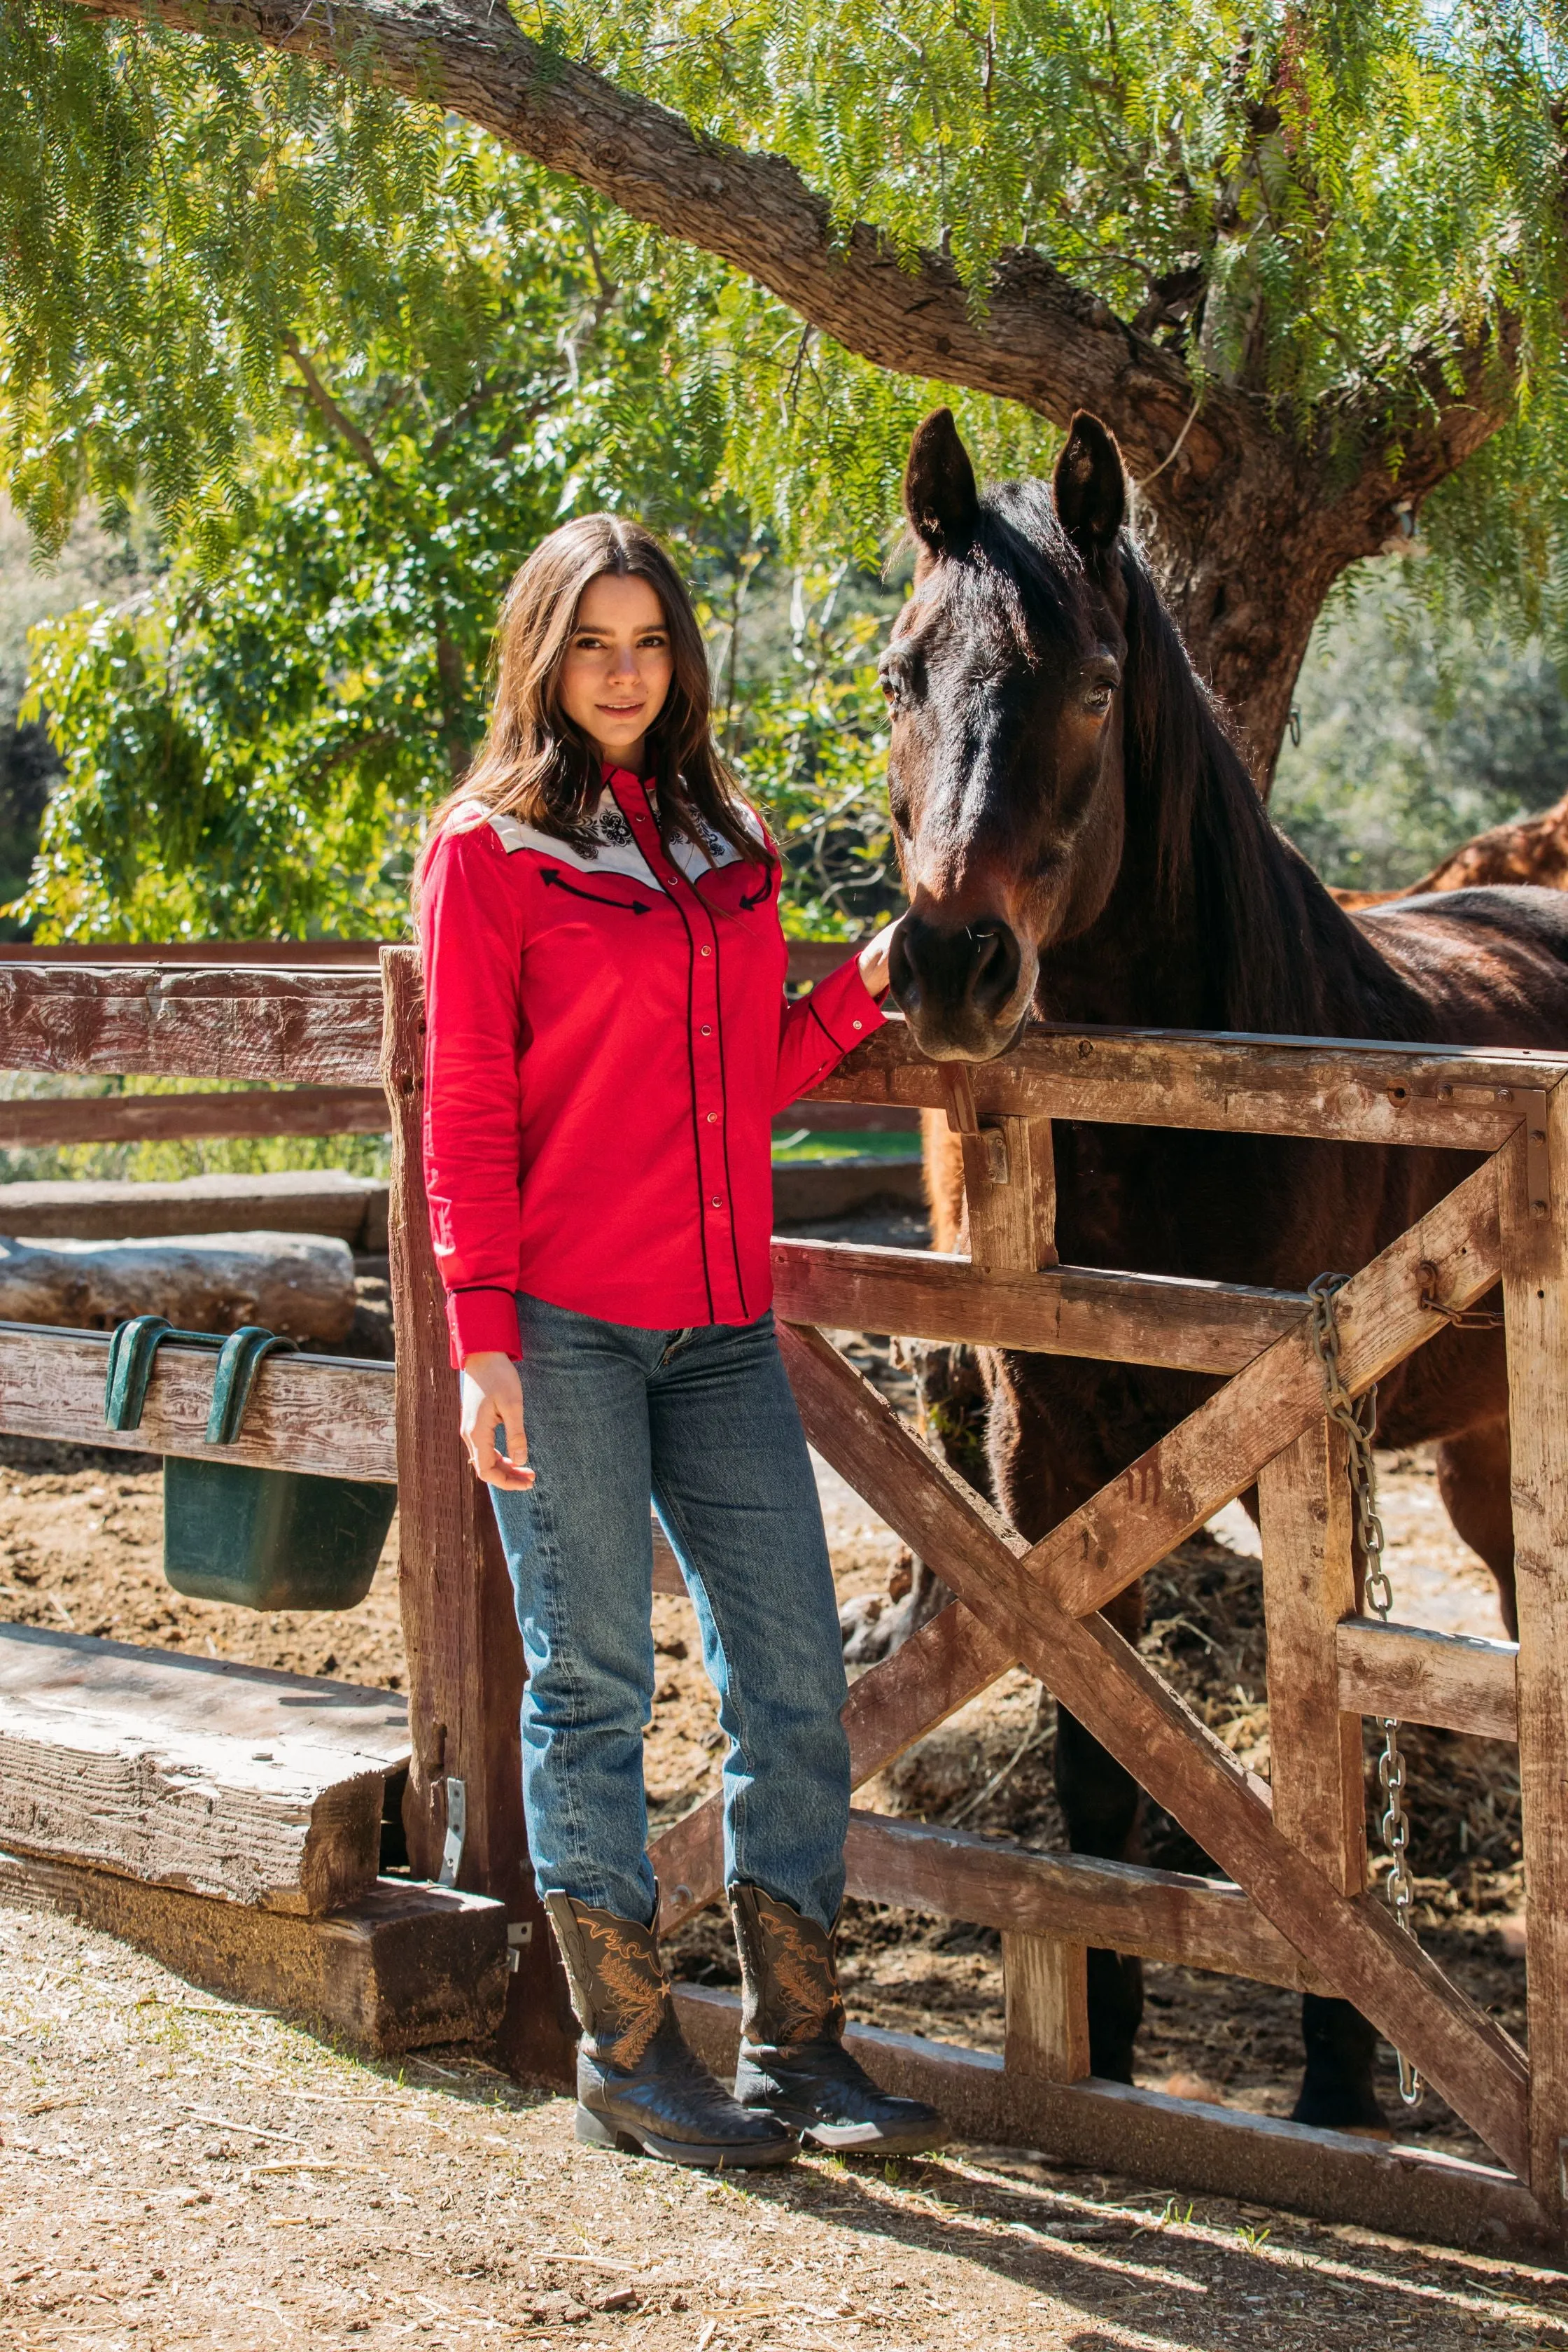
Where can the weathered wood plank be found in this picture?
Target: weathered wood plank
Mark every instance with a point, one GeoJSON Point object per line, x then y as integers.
{"type": "Point", "coordinates": [259, 1705]}
{"type": "Point", "coordinates": [321, 1026]}
{"type": "Point", "coordinates": [328, 1415]}
{"type": "Point", "coordinates": [1162, 1915]}
{"type": "Point", "coordinates": [1535, 1304]}
{"type": "Point", "coordinates": [1455, 1681]}
{"type": "Point", "coordinates": [1209, 1458]}
{"type": "Point", "coordinates": [1134, 1318]}
{"type": "Point", "coordinates": [1045, 1982]}
{"type": "Point", "coordinates": [1358, 1091]}
{"type": "Point", "coordinates": [459, 1626]}
{"type": "Point", "coordinates": [1157, 1738]}
{"type": "Point", "coordinates": [404, 1967]}
{"type": "Point", "coordinates": [147, 1118]}
{"type": "Point", "coordinates": [1308, 1584]}
{"type": "Point", "coordinates": [1175, 2143]}
{"type": "Point", "coordinates": [936, 1672]}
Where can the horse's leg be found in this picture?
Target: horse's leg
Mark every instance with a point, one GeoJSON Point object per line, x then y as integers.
{"type": "Point", "coordinates": [1473, 1473]}
{"type": "Point", "coordinates": [1100, 1800]}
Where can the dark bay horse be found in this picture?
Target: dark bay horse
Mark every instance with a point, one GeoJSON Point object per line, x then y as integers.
{"type": "Point", "coordinates": [1080, 840]}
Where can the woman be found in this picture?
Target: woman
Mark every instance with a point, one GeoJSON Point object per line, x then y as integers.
{"type": "Point", "coordinates": [607, 1044]}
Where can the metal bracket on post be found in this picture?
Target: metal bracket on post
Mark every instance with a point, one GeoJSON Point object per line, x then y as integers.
{"type": "Point", "coordinates": [1531, 1101]}
{"type": "Point", "coordinates": [519, 1935]}
{"type": "Point", "coordinates": [457, 1826]}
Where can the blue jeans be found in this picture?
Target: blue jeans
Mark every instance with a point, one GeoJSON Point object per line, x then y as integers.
{"type": "Point", "coordinates": [704, 1424]}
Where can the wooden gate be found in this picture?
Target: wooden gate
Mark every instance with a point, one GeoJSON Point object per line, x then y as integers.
{"type": "Point", "coordinates": [1294, 1910]}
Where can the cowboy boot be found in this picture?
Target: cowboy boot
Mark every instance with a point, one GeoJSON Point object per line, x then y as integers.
{"type": "Point", "coordinates": [639, 2087]}
{"type": "Point", "coordinates": [792, 2060]}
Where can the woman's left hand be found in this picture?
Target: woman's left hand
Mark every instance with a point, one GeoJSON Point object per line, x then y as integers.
{"type": "Point", "coordinates": [873, 957]}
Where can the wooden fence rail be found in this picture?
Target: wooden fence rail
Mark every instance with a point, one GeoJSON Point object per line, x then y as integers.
{"type": "Point", "coordinates": [1295, 1909]}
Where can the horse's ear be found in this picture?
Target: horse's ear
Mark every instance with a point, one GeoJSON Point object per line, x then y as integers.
{"type": "Point", "coordinates": [1089, 487]}
{"type": "Point", "coordinates": [941, 499]}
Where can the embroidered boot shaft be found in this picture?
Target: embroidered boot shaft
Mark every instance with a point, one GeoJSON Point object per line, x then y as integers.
{"type": "Point", "coordinates": [639, 2086]}
{"type": "Point", "coordinates": [619, 1986]}
{"type": "Point", "coordinates": [792, 2060]}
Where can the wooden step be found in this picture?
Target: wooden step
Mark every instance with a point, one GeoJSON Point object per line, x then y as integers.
{"type": "Point", "coordinates": [226, 1780]}
{"type": "Point", "coordinates": [405, 1966]}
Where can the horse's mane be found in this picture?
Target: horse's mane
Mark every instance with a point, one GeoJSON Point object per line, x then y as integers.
{"type": "Point", "coordinates": [1278, 952]}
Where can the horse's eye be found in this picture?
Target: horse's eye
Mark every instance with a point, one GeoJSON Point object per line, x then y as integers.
{"type": "Point", "coordinates": [1098, 698]}
{"type": "Point", "coordinates": [890, 685]}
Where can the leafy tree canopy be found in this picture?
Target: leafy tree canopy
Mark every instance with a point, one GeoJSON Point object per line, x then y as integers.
{"type": "Point", "coordinates": [1350, 217]}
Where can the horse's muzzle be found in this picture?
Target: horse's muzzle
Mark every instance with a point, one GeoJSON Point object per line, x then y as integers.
{"type": "Point", "coordinates": [965, 992]}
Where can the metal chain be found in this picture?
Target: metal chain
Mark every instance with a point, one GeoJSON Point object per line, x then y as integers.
{"type": "Point", "coordinates": [1359, 1425]}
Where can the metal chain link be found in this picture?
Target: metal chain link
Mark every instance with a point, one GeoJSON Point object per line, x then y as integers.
{"type": "Point", "coordinates": [1359, 1425]}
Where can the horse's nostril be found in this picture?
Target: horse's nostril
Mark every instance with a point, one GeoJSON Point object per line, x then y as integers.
{"type": "Point", "coordinates": [994, 967]}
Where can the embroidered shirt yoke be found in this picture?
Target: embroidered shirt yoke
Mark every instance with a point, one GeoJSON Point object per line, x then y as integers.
{"type": "Point", "coordinates": [607, 1041]}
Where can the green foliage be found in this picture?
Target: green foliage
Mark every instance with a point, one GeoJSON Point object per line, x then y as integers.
{"type": "Point", "coordinates": [1416, 731]}
{"type": "Point", "coordinates": [1306, 203]}
{"type": "Point", "coordinates": [251, 749]}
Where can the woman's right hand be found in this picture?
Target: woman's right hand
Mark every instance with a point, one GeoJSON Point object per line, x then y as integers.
{"type": "Point", "coordinates": [491, 1393]}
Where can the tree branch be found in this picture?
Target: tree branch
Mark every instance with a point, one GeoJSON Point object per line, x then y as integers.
{"type": "Point", "coordinates": [342, 424]}
{"type": "Point", "coordinates": [1041, 341]}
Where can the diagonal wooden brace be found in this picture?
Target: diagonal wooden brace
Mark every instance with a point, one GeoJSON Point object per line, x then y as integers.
{"type": "Point", "coordinates": [1216, 1453]}
{"type": "Point", "coordinates": [936, 1672]}
{"type": "Point", "coordinates": [1349, 1940]}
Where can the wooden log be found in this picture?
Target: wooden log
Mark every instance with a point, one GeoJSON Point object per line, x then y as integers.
{"type": "Point", "coordinates": [317, 1200]}
{"type": "Point", "coordinates": [329, 1415]}
{"type": "Point", "coordinates": [147, 1118]}
{"type": "Point", "coordinates": [1535, 1304]}
{"type": "Point", "coordinates": [1209, 1458]}
{"type": "Point", "coordinates": [277, 955]}
{"type": "Point", "coordinates": [297, 1285]}
{"type": "Point", "coordinates": [936, 1672]}
{"type": "Point", "coordinates": [1162, 1915]}
{"type": "Point", "coordinates": [460, 1627]}
{"type": "Point", "coordinates": [1456, 1681]}
{"type": "Point", "coordinates": [299, 1026]}
{"type": "Point", "coordinates": [226, 1780]}
{"type": "Point", "coordinates": [1176, 2142]}
{"type": "Point", "coordinates": [1446, 1095]}
{"type": "Point", "coordinates": [1156, 1737]}
{"type": "Point", "coordinates": [403, 1968]}
{"type": "Point", "coordinates": [1132, 1318]}
{"type": "Point", "coordinates": [1308, 1584]}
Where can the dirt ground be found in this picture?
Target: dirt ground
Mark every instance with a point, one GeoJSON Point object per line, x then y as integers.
{"type": "Point", "coordinates": [177, 2171]}
{"type": "Point", "coordinates": [152, 2140]}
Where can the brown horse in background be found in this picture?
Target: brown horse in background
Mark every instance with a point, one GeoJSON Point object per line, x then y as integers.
{"type": "Point", "coordinates": [1080, 840]}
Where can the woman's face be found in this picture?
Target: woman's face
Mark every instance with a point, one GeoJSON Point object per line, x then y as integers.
{"type": "Point", "coordinates": [618, 664]}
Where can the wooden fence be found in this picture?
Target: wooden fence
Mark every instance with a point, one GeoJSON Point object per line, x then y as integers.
{"type": "Point", "coordinates": [304, 1109]}
{"type": "Point", "coordinates": [1295, 1909]}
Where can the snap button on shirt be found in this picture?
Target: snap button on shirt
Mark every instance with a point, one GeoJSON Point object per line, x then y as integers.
{"type": "Point", "coordinates": [576, 1145]}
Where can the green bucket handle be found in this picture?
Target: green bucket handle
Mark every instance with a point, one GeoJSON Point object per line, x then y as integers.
{"type": "Point", "coordinates": [134, 1344]}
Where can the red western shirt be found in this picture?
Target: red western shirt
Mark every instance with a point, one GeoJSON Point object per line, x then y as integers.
{"type": "Point", "coordinates": [607, 1043]}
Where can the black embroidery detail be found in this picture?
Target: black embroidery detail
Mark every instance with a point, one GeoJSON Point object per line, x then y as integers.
{"type": "Point", "coordinates": [759, 897]}
{"type": "Point", "coordinates": [596, 897]}
{"type": "Point", "coordinates": [609, 827]}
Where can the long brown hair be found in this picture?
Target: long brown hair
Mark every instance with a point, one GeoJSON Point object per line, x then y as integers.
{"type": "Point", "coordinates": [534, 762]}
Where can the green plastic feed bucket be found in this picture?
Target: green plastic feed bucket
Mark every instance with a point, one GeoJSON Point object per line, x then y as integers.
{"type": "Point", "coordinates": [262, 1538]}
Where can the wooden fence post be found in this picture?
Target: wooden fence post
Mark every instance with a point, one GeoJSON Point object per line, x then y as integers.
{"type": "Point", "coordinates": [1308, 1584]}
{"type": "Point", "coordinates": [1010, 1194]}
{"type": "Point", "coordinates": [1534, 1214]}
{"type": "Point", "coordinates": [465, 1654]}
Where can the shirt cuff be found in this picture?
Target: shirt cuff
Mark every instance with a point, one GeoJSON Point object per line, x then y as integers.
{"type": "Point", "coordinates": [482, 1322]}
{"type": "Point", "coordinates": [845, 1006]}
